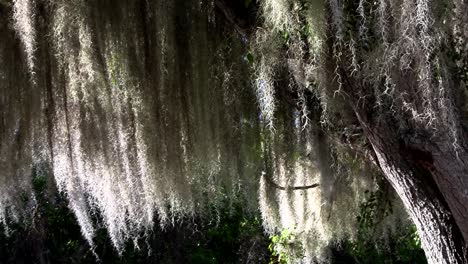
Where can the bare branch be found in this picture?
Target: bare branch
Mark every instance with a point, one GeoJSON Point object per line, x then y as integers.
{"type": "Point", "coordinates": [293, 188]}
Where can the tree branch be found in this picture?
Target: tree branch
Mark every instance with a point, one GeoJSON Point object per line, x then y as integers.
{"type": "Point", "coordinates": [240, 17]}
{"type": "Point", "coordinates": [293, 188]}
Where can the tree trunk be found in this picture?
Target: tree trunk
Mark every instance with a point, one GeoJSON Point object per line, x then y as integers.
{"type": "Point", "coordinates": [416, 175]}
{"type": "Point", "coordinates": [449, 169]}
{"type": "Point", "coordinates": [429, 175]}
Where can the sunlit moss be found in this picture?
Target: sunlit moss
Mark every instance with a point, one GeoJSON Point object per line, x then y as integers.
{"type": "Point", "coordinates": [147, 113]}
{"type": "Point", "coordinates": [140, 127]}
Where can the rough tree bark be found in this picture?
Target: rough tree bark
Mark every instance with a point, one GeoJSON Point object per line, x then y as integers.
{"type": "Point", "coordinates": [411, 173]}
{"type": "Point", "coordinates": [427, 174]}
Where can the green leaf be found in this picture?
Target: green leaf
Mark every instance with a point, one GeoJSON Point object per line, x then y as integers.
{"type": "Point", "coordinates": [250, 57]}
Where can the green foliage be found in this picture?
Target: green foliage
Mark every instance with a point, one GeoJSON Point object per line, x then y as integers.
{"type": "Point", "coordinates": [232, 231]}
{"type": "Point", "coordinates": [52, 235]}
{"type": "Point", "coordinates": [369, 247]}
{"type": "Point", "coordinates": [402, 246]}
{"type": "Point", "coordinates": [285, 248]}
{"type": "Point", "coordinates": [375, 208]}
{"type": "Point", "coordinates": [249, 57]}
{"type": "Point", "coordinates": [279, 247]}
